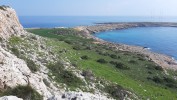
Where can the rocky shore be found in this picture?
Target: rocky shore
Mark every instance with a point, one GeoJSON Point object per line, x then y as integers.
{"type": "Point", "coordinates": [165, 61]}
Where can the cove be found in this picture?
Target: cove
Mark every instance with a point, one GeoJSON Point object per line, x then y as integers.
{"type": "Point", "coordinates": [159, 39]}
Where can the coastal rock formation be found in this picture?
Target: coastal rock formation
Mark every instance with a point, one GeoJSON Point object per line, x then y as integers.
{"type": "Point", "coordinates": [9, 23]}
{"type": "Point", "coordinates": [10, 98]}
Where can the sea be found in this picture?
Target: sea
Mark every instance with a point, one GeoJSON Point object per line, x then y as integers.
{"type": "Point", "coordinates": [158, 39]}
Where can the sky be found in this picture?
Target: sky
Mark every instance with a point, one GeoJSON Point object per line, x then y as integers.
{"type": "Point", "coordinates": [93, 7]}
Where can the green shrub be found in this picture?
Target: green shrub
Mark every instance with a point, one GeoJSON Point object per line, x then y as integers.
{"type": "Point", "coordinates": [64, 76]}
{"type": "Point", "coordinates": [103, 53]}
{"type": "Point", "coordinates": [113, 62]}
{"type": "Point", "coordinates": [121, 66]}
{"type": "Point", "coordinates": [159, 68]}
{"type": "Point", "coordinates": [77, 48]}
{"type": "Point", "coordinates": [24, 92]}
{"type": "Point", "coordinates": [132, 61]}
{"type": "Point", "coordinates": [85, 57]}
{"type": "Point", "coordinates": [74, 64]}
{"type": "Point", "coordinates": [15, 51]}
{"type": "Point", "coordinates": [170, 85]}
{"type": "Point", "coordinates": [169, 80]}
{"type": "Point", "coordinates": [88, 74]}
{"type": "Point", "coordinates": [113, 56]}
{"type": "Point", "coordinates": [103, 61]}
{"type": "Point", "coordinates": [89, 48]}
{"type": "Point", "coordinates": [68, 41]}
{"type": "Point", "coordinates": [1, 39]}
{"type": "Point", "coordinates": [154, 67]}
{"type": "Point", "coordinates": [116, 91]}
{"type": "Point", "coordinates": [31, 65]}
{"type": "Point", "coordinates": [2, 8]}
{"type": "Point", "coordinates": [156, 79]}
{"type": "Point", "coordinates": [15, 40]}
{"type": "Point", "coordinates": [46, 82]}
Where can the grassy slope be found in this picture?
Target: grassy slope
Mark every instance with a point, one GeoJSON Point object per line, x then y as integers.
{"type": "Point", "coordinates": [134, 79]}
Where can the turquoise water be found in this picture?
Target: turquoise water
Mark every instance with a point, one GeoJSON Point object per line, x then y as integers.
{"type": "Point", "coordinates": [159, 39]}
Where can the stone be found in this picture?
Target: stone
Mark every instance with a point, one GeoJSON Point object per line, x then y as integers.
{"type": "Point", "coordinates": [10, 98]}
{"type": "Point", "coordinates": [9, 25]}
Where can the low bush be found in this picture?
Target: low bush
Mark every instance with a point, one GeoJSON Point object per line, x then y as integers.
{"type": "Point", "coordinates": [102, 53]}
{"type": "Point", "coordinates": [113, 62]}
{"type": "Point", "coordinates": [1, 39]}
{"type": "Point", "coordinates": [24, 92]}
{"type": "Point", "coordinates": [15, 51]}
{"type": "Point", "coordinates": [77, 47]}
{"type": "Point", "coordinates": [159, 68]}
{"type": "Point", "coordinates": [156, 79]}
{"type": "Point", "coordinates": [89, 48]}
{"type": "Point", "coordinates": [113, 56]}
{"type": "Point", "coordinates": [15, 40]}
{"type": "Point", "coordinates": [64, 76]}
{"type": "Point", "coordinates": [121, 66]}
{"type": "Point", "coordinates": [31, 65]}
{"type": "Point", "coordinates": [46, 82]}
{"type": "Point", "coordinates": [74, 64]}
{"type": "Point", "coordinates": [116, 91]}
{"type": "Point", "coordinates": [102, 61]}
{"type": "Point", "coordinates": [88, 74]}
{"type": "Point", "coordinates": [169, 80]}
{"type": "Point", "coordinates": [132, 61]}
{"type": "Point", "coordinates": [68, 41]}
{"type": "Point", "coordinates": [85, 57]}
{"type": "Point", "coordinates": [170, 85]}
{"type": "Point", "coordinates": [154, 67]}
{"type": "Point", "coordinates": [2, 8]}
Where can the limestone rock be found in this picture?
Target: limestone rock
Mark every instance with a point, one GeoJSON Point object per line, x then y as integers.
{"type": "Point", "coordinates": [9, 23]}
{"type": "Point", "coordinates": [10, 98]}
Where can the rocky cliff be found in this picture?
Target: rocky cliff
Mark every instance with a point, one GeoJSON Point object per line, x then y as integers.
{"type": "Point", "coordinates": [9, 23]}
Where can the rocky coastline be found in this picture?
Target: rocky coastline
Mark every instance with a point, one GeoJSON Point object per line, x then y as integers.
{"type": "Point", "coordinates": [99, 27]}
{"type": "Point", "coordinates": [165, 61]}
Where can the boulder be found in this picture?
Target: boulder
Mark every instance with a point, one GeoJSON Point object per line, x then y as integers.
{"type": "Point", "coordinates": [10, 98]}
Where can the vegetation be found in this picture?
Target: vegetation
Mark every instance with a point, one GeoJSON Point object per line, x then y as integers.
{"type": "Point", "coordinates": [88, 74]}
{"type": "Point", "coordinates": [102, 61]}
{"type": "Point", "coordinates": [24, 92]}
{"type": "Point", "coordinates": [63, 76]}
{"type": "Point", "coordinates": [1, 39]}
{"type": "Point", "coordinates": [116, 91]}
{"type": "Point", "coordinates": [130, 71]}
{"type": "Point", "coordinates": [13, 41]}
{"type": "Point", "coordinates": [31, 65]}
{"type": "Point", "coordinates": [15, 51]}
{"type": "Point", "coordinates": [2, 8]}
{"type": "Point", "coordinates": [85, 57]}
{"type": "Point", "coordinates": [46, 82]}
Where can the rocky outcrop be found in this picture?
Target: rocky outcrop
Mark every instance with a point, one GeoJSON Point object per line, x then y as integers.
{"type": "Point", "coordinates": [10, 98]}
{"type": "Point", "coordinates": [9, 23]}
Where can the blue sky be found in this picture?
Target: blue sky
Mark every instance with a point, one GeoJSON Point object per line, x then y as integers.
{"type": "Point", "coordinates": [93, 7]}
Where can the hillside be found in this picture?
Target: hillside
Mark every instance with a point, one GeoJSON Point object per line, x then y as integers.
{"type": "Point", "coordinates": [63, 63]}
